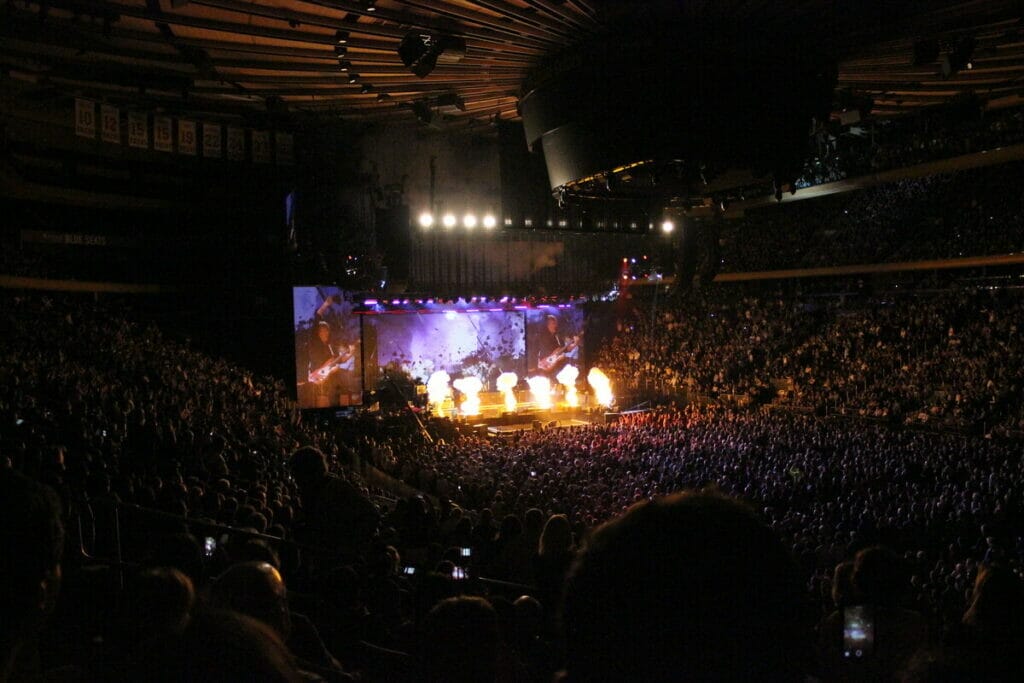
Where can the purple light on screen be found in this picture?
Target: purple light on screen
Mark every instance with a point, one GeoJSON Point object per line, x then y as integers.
{"type": "Point", "coordinates": [370, 302]}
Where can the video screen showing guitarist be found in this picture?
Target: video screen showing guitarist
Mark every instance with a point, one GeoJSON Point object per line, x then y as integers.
{"type": "Point", "coordinates": [328, 368]}
{"type": "Point", "coordinates": [554, 349]}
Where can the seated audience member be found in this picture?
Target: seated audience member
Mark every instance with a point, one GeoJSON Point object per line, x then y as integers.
{"type": "Point", "coordinates": [31, 546]}
{"type": "Point", "coordinates": [460, 642]}
{"type": "Point", "coordinates": [688, 587]}
{"type": "Point", "coordinates": [335, 514]}
{"type": "Point", "coordinates": [256, 589]}
{"type": "Point", "coordinates": [226, 647]}
{"type": "Point", "coordinates": [879, 583]}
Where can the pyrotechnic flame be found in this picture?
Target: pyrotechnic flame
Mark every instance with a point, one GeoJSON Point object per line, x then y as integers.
{"type": "Point", "coordinates": [470, 387]}
{"type": "Point", "coordinates": [567, 378]}
{"type": "Point", "coordinates": [438, 390]}
{"type": "Point", "coordinates": [602, 387]}
{"type": "Point", "coordinates": [506, 383]}
{"type": "Point", "coordinates": [540, 388]}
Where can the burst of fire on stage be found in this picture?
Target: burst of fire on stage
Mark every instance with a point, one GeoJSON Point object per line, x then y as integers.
{"type": "Point", "coordinates": [540, 388]}
{"type": "Point", "coordinates": [506, 384]}
{"type": "Point", "coordinates": [567, 378]}
{"type": "Point", "coordinates": [602, 387]}
{"type": "Point", "coordinates": [438, 390]}
{"type": "Point", "coordinates": [470, 387]}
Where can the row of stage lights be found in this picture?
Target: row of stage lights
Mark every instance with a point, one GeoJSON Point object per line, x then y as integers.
{"type": "Point", "coordinates": [450, 220]}
{"type": "Point", "coordinates": [469, 221]}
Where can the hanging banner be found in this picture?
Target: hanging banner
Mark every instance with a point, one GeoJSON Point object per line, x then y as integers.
{"type": "Point", "coordinates": [163, 138]}
{"type": "Point", "coordinates": [211, 140]}
{"type": "Point", "coordinates": [186, 137]}
{"type": "Point", "coordinates": [138, 129]}
{"type": "Point", "coordinates": [236, 144]}
{"type": "Point", "coordinates": [110, 118]}
{"type": "Point", "coordinates": [85, 118]}
{"type": "Point", "coordinates": [285, 148]}
{"type": "Point", "coordinates": [261, 146]}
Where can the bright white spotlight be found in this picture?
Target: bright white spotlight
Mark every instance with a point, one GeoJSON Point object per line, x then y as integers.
{"type": "Point", "coordinates": [449, 220]}
{"type": "Point", "coordinates": [469, 221]}
{"type": "Point", "coordinates": [490, 221]}
{"type": "Point", "coordinates": [426, 219]}
{"type": "Point", "coordinates": [667, 226]}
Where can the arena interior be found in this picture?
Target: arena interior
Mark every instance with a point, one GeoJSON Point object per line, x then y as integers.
{"type": "Point", "coordinates": [511, 341]}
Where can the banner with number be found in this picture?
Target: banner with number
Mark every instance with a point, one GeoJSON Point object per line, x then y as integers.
{"type": "Point", "coordinates": [285, 147]}
{"type": "Point", "coordinates": [110, 119]}
{"type": "Point", "coordinates": [163, 136]}
{"type": "Point", "coordinates": [261, 146]}
{"type": "Point", "coordinates": [138, 129]}
{"type": "Point", "coordinates": [236, 144]}
{"type": "Point", "coordinates": [211, 140]}
{"type": "Point", "coordinates": [85, 118]}
{"type": "Point", "coordinates": [186, 137]}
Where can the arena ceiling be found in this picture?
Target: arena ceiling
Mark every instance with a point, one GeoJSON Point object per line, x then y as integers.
{"type": "Point", "coordinates": [244, 58]}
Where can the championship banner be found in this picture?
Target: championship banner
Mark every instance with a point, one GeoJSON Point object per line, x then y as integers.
{"type": "Point", "coordinates": [163, 138]}
{"type": "Point", "coordinates": [261, 146]}
{"type": "Point", "coordinates": [85, 118]}
{"type": "Point", "coordinates": [285, 147]}
{"type": "Point", "coordinates": [186, 137]}
{"type": "Point", "coordinates": [211, 140]}
{"type": "Point", "coordinates": [138, 130]}
{"type": "Point", "coordinates": [236, 144]}
{"type": "Point", "coordinates": [110, 118]}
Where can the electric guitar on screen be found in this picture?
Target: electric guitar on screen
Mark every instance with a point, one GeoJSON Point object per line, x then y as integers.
{"type": "Point", "coordinates": [332, 365]}
{"type": "Point", "coordinates": [555, 357]}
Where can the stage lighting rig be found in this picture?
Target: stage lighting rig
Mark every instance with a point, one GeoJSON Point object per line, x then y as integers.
{"type": "Point", "coordinates": [420, 51]}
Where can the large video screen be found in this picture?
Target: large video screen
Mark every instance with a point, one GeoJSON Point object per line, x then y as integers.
{"type": "Point", "coordinates": [555, 336]}
{"type": "Point", "coordinates": [483, 344]}
{"type": "Point", "coordinates": [328, 348]}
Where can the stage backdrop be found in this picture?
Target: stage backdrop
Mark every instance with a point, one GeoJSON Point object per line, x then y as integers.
{"type": "Point", "coordinates": [343, 345]}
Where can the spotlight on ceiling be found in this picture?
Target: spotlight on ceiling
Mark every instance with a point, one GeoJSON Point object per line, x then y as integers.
{"type": "Point", "coordinates": [352, 78]}
{"type": "Point", "coordinates": [449, 220]}
{"type": "Point", "coordinates": [344, 64]}
{"type": "Point", "coordinates": [340, 50]}
{"type": "Point", "coordinates": [490, 221]}
{"type": "Point", "coordinates": [421, 51]}
{"type": "Point", "coordinates": [371, 5]}
{"type": "Point", "coordinates": [667, 226]}
{"type": "Point", "coordinates": [366, 88]}
{"type": "Point", "coordinates": [341, 37]}
{"type": "Point", "coordinates": [469, 221]}
{"type": "Point", "coordinates": [426, 219]}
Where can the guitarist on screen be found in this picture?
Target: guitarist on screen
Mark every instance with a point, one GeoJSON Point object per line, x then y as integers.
{"type": "Point", "coordinates": [328, 364]}
{"type": "Point", "coordinates": [554, 351]}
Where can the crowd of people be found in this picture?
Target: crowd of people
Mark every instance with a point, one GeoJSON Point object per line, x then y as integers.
{"type": "Point", "coordinates": [969, 213]}
{"type": "Point", "coordinates": [916, 351]}
{"type": "Point", "coordinates": [206, 527]}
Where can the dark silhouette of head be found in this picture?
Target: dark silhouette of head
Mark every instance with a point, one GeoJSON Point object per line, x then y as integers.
{"type": "Point", "coordinates": [309, 466]}
{"type": "Point", "coordinates": [997, 603]}
{"type": "Point", "coordinates": [688, 587]}
{"type": "Point", "coordinates": [31, 546]}
{"type": "Point", "coordinates": [158, 603]}
{"type": "Point", "coordinates": [461, 641]}
{"type": "Point", "coordinates": [255, 589]}
{"type": "Point", "coordinates": [878, 576]}
{"type": "Point", "coordinates": [228, 647]}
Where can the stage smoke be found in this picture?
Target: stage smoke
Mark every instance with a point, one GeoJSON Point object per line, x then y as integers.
{"type": "Point", "coordinates": [540, 388]}
{"type": "Point", "coordinates": [438, 390]}
{"type": "Point", "coordinates": [567, 378]}
{"type": "Point", "coordinates": [470, 387]}
{"type": "Point", "coordinates": [602, 387]}
{"type": "Point", "coordinates": [506, 385]}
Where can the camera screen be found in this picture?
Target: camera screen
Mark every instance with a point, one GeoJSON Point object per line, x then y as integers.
{"type": "Point", "coordinates": [858, 632]}
{"type": "Point", "coordinates": [209, 545]}
{"type": "Point", "coordinates": [466, 552]}
{"type": "Point", "coordinates": [409, 571]}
